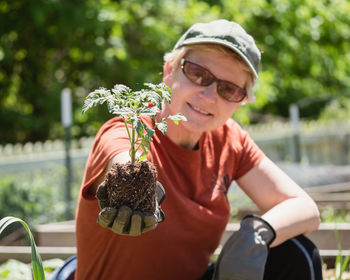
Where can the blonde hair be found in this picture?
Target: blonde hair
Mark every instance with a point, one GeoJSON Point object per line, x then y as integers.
{"type": "Point", "coordinates": [174, 58]}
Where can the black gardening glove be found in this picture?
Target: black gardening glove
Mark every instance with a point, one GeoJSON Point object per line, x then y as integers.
{"type": "Point", "coordinates": [244, 255]}
{"type": "Point", "coordinates": [124, 220]}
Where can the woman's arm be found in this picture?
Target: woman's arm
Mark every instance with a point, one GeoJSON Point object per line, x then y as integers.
{"type": "Point", "coordinates": [287, 207]}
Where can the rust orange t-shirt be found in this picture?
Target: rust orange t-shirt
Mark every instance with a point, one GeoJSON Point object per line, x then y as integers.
{"type": "Point", "coordinates": [196, 206]}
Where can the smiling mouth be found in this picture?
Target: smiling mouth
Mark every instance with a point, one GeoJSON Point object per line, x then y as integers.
{"type": "Point", "coordinates": [195, 108]}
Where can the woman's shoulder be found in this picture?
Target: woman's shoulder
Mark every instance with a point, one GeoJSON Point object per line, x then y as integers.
{"type": "Point", "coordinates": [231, 129]}
{"type": "Point", "coordinates": [112, 122]}
{"type": "Point", "coordinates": [232, 125]}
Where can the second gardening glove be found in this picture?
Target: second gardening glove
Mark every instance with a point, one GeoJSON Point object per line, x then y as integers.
{"type": "Point", "coordinates": [124, 220]}
{"type": "Point", "coordinates": [244, 255]}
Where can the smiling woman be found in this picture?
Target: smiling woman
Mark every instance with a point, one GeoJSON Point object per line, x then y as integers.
{"type": "Point", "coordinates": [201, 104]}
{"type": "Point", "coordinates": [211, 72]}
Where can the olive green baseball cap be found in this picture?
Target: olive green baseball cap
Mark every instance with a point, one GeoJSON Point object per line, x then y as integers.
{"type": "Point", "coordinates": [227, 33]}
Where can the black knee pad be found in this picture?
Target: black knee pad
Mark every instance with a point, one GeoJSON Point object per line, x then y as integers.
{"type": "Point", "coordinates": [297, 258]}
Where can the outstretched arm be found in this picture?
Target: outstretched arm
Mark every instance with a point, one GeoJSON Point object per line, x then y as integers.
{"type": "Point", "coordinates": [287, 208]}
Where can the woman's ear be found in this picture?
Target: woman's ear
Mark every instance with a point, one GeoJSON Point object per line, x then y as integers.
{"type": "Point", "coordinates": [167, 73]}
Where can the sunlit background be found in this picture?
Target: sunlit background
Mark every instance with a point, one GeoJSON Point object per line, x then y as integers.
{"type": "Point", "coordinates": [301, 117]}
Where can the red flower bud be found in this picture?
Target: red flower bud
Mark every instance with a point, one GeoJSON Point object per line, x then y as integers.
{"type": "Point", "coordinates": [150, 104]}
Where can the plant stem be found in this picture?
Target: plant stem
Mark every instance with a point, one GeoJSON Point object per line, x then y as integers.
{"type": "Point", "coordinates": [132, 150]}
{"type": "Point", "coordinates": [138, 147]}
{"type": "Point", "coordinates": [127, 129]}
{"type": "Point", "coordinates": [132, 141]}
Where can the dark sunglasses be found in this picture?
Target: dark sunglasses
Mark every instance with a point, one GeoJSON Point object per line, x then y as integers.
{"type": "Point", "coordinates": [202, 77]}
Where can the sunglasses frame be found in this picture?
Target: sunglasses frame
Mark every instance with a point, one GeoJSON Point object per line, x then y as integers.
{"type": "Point", "coordinates": [219, 82]}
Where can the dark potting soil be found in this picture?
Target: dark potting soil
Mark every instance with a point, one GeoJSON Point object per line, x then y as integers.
{"type": "Point", "coordinates": [133, 185]}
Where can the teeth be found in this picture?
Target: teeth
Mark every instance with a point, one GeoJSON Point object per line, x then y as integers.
{"type": "Point", "coordinates": [199, 110]}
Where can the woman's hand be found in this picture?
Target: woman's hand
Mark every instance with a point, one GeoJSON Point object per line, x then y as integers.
{"type": "Point", "coordinates": [123, 220]}
{"type": "Point", "coordinates": [244, 254]}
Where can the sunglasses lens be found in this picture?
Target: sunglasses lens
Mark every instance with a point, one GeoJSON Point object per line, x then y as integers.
{"type": "Point", "coordinates": [230, 92]}
{"type": "Point", "coordinates": [197, 74]}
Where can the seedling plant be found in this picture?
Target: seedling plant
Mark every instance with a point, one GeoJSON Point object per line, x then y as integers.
{"type": "Point", "coordinates": [131, 105]}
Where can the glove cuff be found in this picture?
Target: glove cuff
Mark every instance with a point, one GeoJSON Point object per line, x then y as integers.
{"type": "Point", "coordinates": [262, 227]}
{"type": "Point", "coordinates": [160, 192]}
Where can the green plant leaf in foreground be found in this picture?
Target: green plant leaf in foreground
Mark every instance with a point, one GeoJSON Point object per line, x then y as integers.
{"type": "Point", "coordinates": [162, 126]}
{"type": "Point", "coordinates": [131, 105]}
{"type": "Point", "coordinates": [341, 263]}
{"type": "Point", "coordinates": [38, 271]}
{"type": "Point", "coordinates": [177, 117]}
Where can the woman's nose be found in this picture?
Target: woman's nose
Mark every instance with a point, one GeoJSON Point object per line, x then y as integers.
{"type": "Point", "coordinates": [209, 92]}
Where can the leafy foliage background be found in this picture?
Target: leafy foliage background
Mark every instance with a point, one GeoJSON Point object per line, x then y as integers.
{"type": "Point", "coordinates": [47, 45]}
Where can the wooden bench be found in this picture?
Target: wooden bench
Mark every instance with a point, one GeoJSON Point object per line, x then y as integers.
{"type": "Point", "coordinates": [336, 196]}
{"type": "Point", "coordinates": [23, 253]}
{"type": "Point", "coordinates": [57, 240]}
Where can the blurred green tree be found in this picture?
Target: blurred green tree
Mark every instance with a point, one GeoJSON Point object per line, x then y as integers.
{"type": "Point", "coordinates": [305, 53]}
{"type": "Point", "coordinates": [45, 46]}
{"type": "Point", "coordinates": [48, 45]}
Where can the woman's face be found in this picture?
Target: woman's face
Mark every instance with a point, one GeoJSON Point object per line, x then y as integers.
{"type": "Point", "coordinates": [204, 109]}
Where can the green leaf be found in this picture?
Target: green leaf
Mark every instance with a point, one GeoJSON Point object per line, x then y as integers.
{"type": "Point", "coordinates": [91, 102]}
{"type": "Point", "coordinates": [94, 98]}
{"type": "Point", "coordinates": [138, 126]}
{"type": "Point", "coordinates": [145, 143]}
{"type": "Point", "coordinates": [162, 126]}
{"type": "Point", "coordinates": [99, 97]}
{"type": "Point", "coordinates": [148, 111]}
{"type": "Point", "coordinates": [38, 271]}
{"type": "Point", "coordinates": [166, 93]}
{"type": "Point", "coordinates": [177, 117]}
{"type": "Point", "coordinates": [122, 111]}
{"type": "Point", "coordinates": [162, 90]}
{"type": "Point", "coordinates": [345, 264]}
{"type": "Point", "coordinates": [112, 103]}
{"type": "Point", "coordinates": [143, 156]}
{"type": "Point", "coordinates": [120, 90]}
{"type": "Point", "coordinates": [149, 132]}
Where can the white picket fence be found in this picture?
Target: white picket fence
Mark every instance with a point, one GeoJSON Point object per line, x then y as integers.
{"type": "Point", "coordinates": [41, 155]}
{"type": "Point", "coordinates": [320, 144]}
{"type": "Point", "coordinates": [38, 148]}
